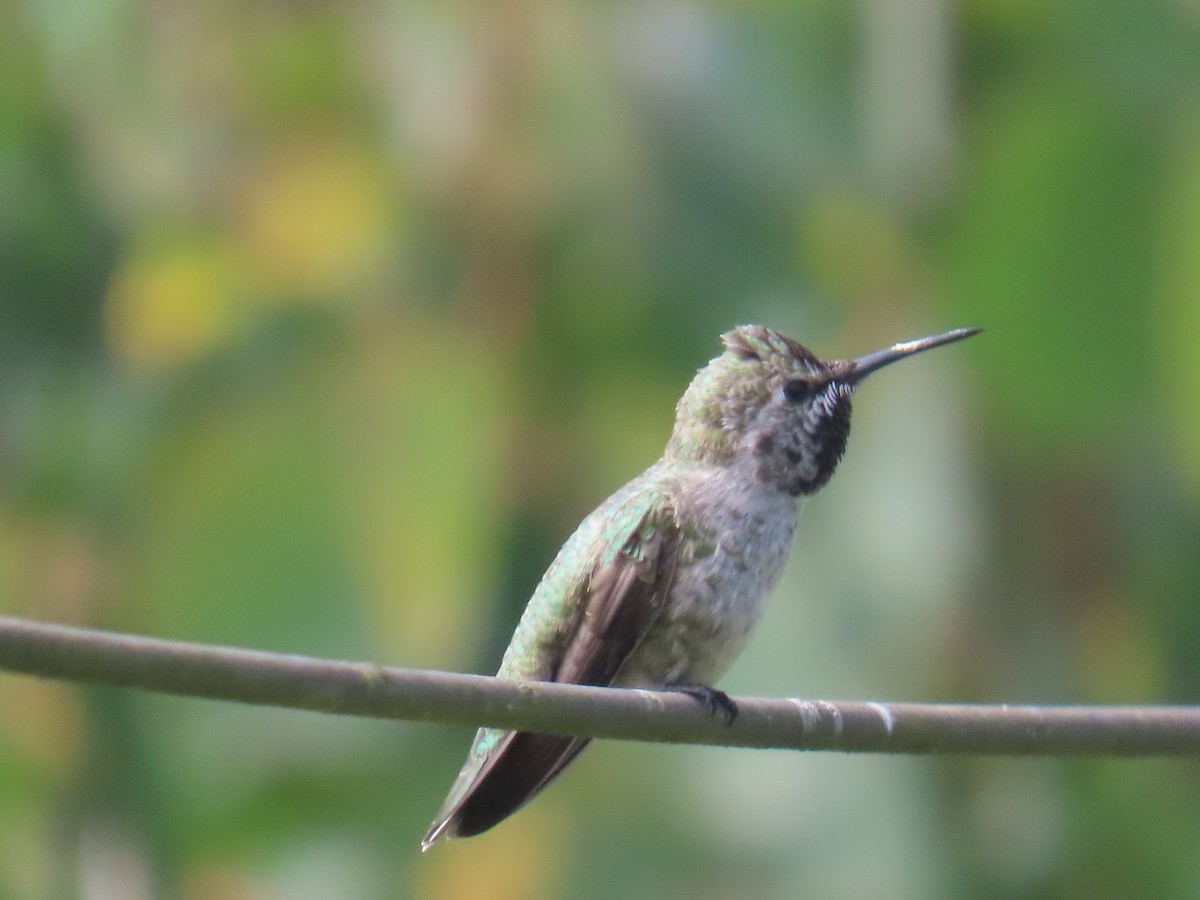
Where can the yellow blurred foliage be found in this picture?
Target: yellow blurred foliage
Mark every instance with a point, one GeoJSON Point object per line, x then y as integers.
{"type": "Point", "coordinates": [43, 722]}
{"type": "Point", "coordinates": [171, 303]}
{"type": "Point", "coordinates": [526, 857]}
{"type": "Point", "coordinates": [312, 222]}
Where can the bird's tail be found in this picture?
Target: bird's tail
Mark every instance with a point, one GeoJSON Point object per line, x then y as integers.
{"type": "Point", "coordinates": [491, 788]}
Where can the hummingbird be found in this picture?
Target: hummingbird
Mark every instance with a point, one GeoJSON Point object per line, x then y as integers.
{"type": "Point", "coordinates": [662, 584]}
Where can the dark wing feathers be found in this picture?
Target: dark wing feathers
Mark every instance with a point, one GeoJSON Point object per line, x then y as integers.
{"type": "Point", "coordinates": [519, 768]}
{"type": "Point", "coordinates": [622, 598]}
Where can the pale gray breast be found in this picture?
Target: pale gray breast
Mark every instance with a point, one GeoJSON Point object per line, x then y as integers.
{"type": "Point", "coordinates": [737, 534]}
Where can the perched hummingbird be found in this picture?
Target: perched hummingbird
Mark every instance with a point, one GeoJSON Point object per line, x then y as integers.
{"type": "Point", "coordinates": [661, 585]}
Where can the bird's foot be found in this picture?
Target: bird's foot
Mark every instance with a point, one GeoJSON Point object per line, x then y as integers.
{"type": "Point", "coordinates": [714, 701]}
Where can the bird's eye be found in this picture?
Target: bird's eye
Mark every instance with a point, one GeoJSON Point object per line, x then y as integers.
{"type": "Point", "coordinates": [796, 391]}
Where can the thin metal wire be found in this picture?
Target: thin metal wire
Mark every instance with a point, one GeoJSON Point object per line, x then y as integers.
{"type": "Point", "coordinates": [363, 689]}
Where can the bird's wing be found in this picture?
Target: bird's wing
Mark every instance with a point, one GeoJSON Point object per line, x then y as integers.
{"type": "Point", "coordinates": [624, 595]}
{"type": "Point", "coordinates": [617, 603]}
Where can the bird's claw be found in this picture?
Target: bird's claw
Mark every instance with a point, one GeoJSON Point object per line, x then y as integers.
{"type": "Point", "coordinates": [714, 701]}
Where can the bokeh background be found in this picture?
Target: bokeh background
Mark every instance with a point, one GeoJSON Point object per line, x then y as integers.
{"type": "Point", "coordinates": [321, 326]}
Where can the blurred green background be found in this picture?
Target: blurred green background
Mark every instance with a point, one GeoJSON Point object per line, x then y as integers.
{"type": "Point", "coordinates": [322, 325]}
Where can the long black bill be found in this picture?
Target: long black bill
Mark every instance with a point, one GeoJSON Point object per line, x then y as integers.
{"type": "Point", "coordinates": [865, 365]}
